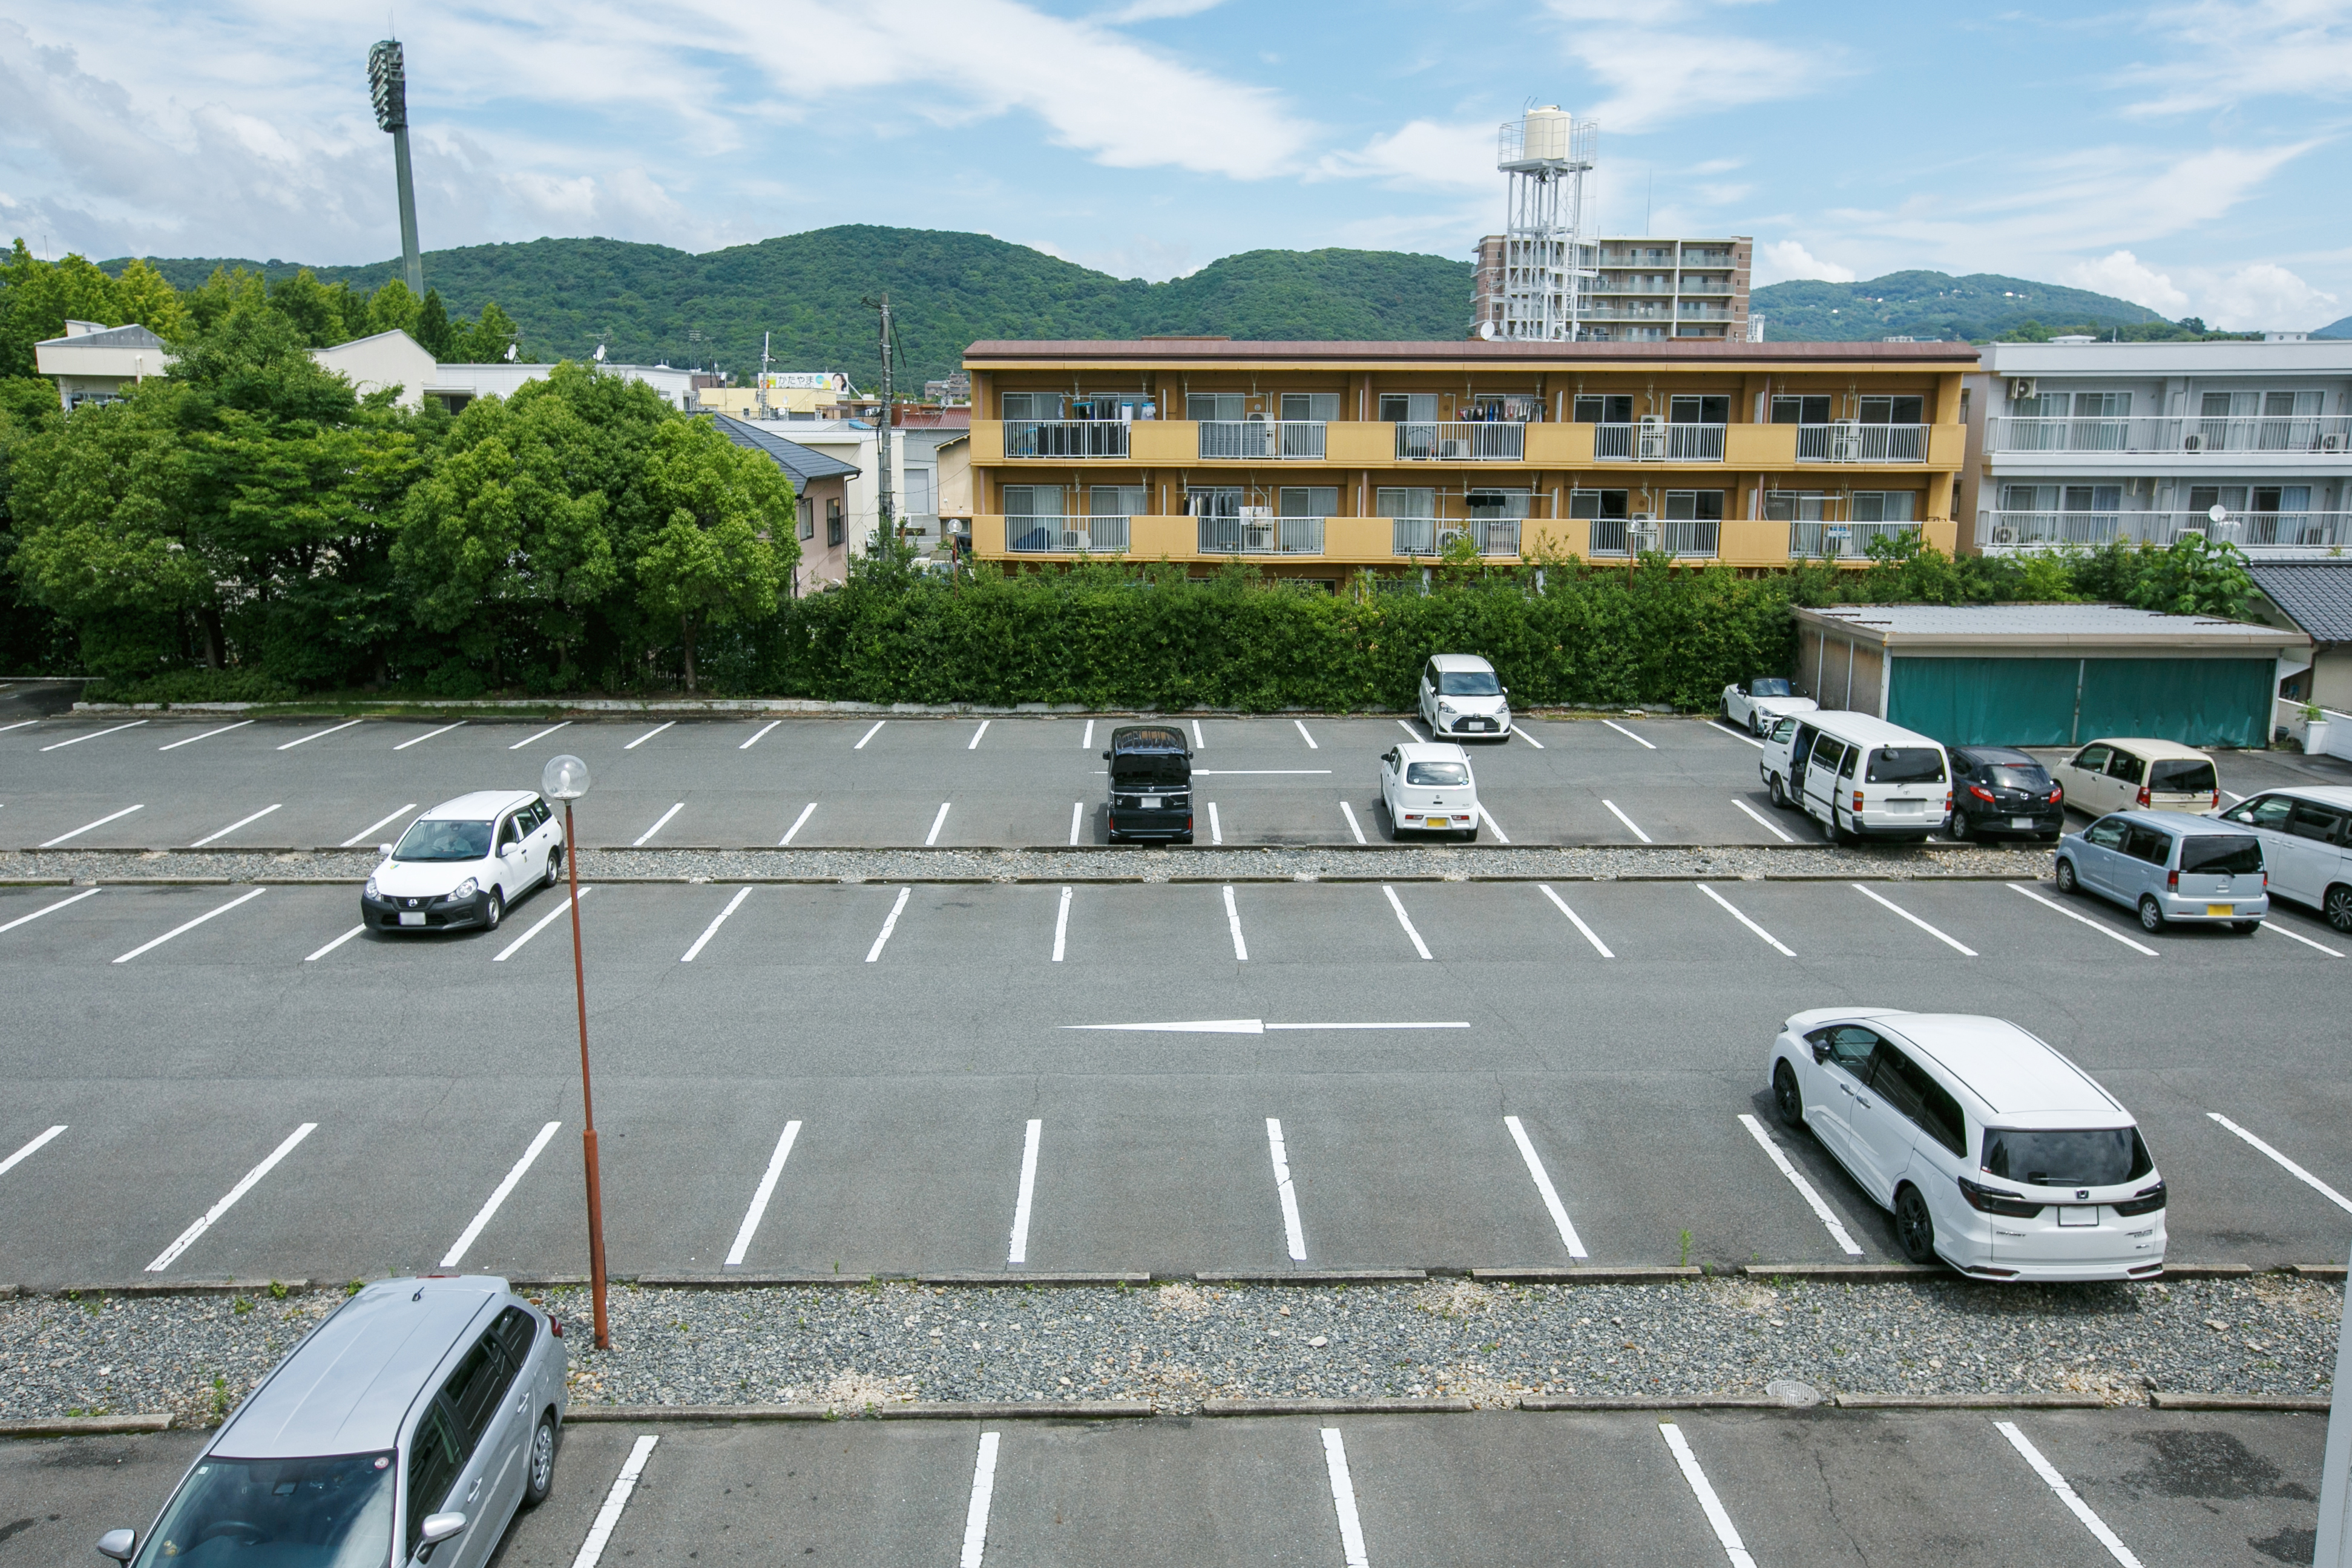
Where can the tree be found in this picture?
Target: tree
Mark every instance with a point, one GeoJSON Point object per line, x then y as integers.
{"type": "Point", "coordinates": [38, 297]}
{"type": "Point", "coordinates": [2193, 576]}
{"type": "Point", "coordinates": [725, 548]}
{"type": "Point", "coordinates": [432, 326]}
{"type": "Point", "coordinates": [394, 309]}
{"type": "Point", "coordinates": [491, 336]}
{"type": "Point", "coordinates": [322, 314]}
{"type": "Point", "coordinates": [145, 296]}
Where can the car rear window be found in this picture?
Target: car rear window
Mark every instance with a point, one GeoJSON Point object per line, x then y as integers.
{"type": "Point", "coordinates": [1434, 773]}
{"type": "Point", "coordinates": [2006, 777]}
{"type": "Point", "coordinates": [2101, 1156]}
{"type": "Point", "coordinates": [2219, 854]}
{"type": "Point", "coordinates": [1469, 683]}
{"type": "Point", "coordinates": [1906, 765]}
{"type": "Point", "coordinates": [1159, 768]}
{"type": "Point", "coordinates": [2182, 776]}
{"type": "Point", "coordinates": [1148, 740]}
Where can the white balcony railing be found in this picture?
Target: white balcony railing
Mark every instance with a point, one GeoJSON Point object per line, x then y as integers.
{"type": "Point", "coordinates": [1261, 536]}
{"type": "Point", "coordinates": [1254, 438]}
{"type": "Point", "coordinates": [1433, 536]}
{"type": "Point", "coordinates": [1658, 443]}
{"type": "Point", "coordinates": [2250, 530]}
{"type": "Point", "coordinates": [1065, 536]}
{"type": "Point", "coordinates": [2327, 435]}
{"type": "Point", "coordinates": [1697, 537]}
{"type": "Point", "coordinates": [1849, 441]}
{"type": "Point", "coordinates": [1849, 542]}
{"type": "Point", "coordinates": [1064, 438]}
{"type": "Point", "coordinates": [1461, 441]}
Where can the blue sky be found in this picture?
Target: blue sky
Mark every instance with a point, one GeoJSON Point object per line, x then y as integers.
{"type": "Point", "coordinates": [2188, 156]}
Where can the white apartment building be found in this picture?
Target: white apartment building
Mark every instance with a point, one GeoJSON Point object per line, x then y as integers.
{"type": "Point", "coordinates": [1642, 290]}
{"type": "Point", "coordinates": [2081, 442]}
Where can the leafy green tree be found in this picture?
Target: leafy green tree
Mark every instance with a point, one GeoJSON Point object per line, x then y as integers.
{"type": "Point", "coordinates": [432, 329]}
{"type": "Point", "coordinates": [145, 296]}
{"type": "Point", "coordinates": [492, 335]}
{"type": "Point", "coordinates": [724, 548]}
{"type": "Point", "coordinates": [320, 312]}
{"type": "Point", "coordinates": [38, 297]}
{"type": "Point", "coordinates": [394, 307]}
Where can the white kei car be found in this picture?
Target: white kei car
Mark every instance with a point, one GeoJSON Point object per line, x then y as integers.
{"type": "Point", "coordinates": [462, 862]}
{"type": "Point", "coordinates": [1427, 788]}
{"type": "Point", "coordinates": [1762, 702]}
{"type": "Point", "coordinates": [1996, 1154]}
{"type": "Point", "coordinates": [1462, 695]}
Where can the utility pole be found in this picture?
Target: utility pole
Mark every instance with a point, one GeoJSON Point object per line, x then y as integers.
{"type": "Point", "coordinates": [763, 394]}
{"type": "Point", "coordinates": [388, 87]}
{"type": "Point", "coordinates": [884, 527]}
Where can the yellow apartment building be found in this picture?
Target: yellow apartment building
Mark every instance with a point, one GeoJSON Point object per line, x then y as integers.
{"type": "Point", "coordinates": [1316, 459]}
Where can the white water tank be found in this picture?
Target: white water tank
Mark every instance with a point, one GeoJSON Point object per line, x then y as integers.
{"type": "Point", "coordinates": [1543, 134]}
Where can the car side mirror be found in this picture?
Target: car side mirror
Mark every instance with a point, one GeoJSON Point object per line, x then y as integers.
{"type": "Point", "coordinates": [385, 850]}
{"type": "Point", "coordinates": [438, 1528]}
{"type": "Point", "coordinates": [1821, 1050]}
{"type": "Point", "coordinates": [1105, 757]}
{"type": "Point", "coordinates": [118, 1545]}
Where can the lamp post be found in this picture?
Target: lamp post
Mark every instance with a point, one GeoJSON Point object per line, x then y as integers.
{"type": "Point", "coordinates": [565, 778]}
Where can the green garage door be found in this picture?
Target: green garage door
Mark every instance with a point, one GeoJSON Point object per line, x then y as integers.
{"type": "Point", "coordinates": [2031, 702]}
{"type": "Point", "coordinates": [2197, 702]}
{"type": "Point", "coordinates": [1985, 702]}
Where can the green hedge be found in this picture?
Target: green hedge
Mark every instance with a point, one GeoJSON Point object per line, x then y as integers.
{"type": "Point", "coordinates": [194, 686]}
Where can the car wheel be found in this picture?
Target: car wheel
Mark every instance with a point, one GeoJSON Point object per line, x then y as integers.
{"type": "Point", "coordinates": [1780, 796]}
{"type": "Point", "coordinates": [539, 1479]}
{"type": "Point", "coordinates": [1960, 827]}
{"type": "Point", "coordinates": [1470, 837]}
{"type": "Point", "coordinates": [2151, 912]}
{"type": "Point", "coordinates": [1915, 1228]}
{"type": "Point", "coordinates": [2066, 883]}
{"type": "Point", "coordinates": [2246, 927]}
{"type": "Point", "coordinates": [1787, 1098]}
{"type": "Point", "coordinates": [1183, 838]}
{"type": "Point", "coordinates": [1755, 725]}
{"type": "Point", "coordinates": [493, 911]}
{"type": "Point", "coordinates": [554, 867]}
{"type": "Point", "coordinates": [2338, 908]}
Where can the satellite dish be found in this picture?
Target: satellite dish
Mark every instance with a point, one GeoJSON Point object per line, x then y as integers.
{"type": "Point", "coordinates": [2218, 512]}
{"type": "Point", "coordinates": [511, 348]}
{"type": "Point", "coordinates": [1486, 330]}
{"type": "Point", "coordinates": [600, 354]}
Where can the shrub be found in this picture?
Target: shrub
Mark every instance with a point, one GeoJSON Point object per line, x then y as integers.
{"type": "Point", "coordinates": [192, 686]}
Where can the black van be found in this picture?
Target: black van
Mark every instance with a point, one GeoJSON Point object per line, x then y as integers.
{"type": "Point", "coordinates": [1151, 784]}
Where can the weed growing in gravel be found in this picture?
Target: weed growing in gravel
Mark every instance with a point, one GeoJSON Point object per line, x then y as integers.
{"type": "Point", "coordinates": [277, 1291]}
{"type": "Point", "coordinates": [220, 1397]}
{"type": "Point", "coordinates": [1685, 1257]}
{"type": "Point", "coordinates": [239, 1305]}
{"type": "Point", "coordinates": [354, 1287]}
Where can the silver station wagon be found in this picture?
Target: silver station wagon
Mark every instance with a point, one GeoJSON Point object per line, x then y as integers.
{"type": "Point", "coordinates": [408, 1426]}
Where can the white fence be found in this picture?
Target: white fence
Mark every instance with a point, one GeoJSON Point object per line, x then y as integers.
{"type": "Point", "coordinates": [2250, 530]}
{"type": "Point", "coordinates": [1064, 438]}
{"type": "Point", "coordinates": [1261, 438]}
{"type": "Point", "coordinates": [2323, 435]}
{"type": "Point", "coordinates": [1261, 536]}
{"type": "Point", "coordinates": [1682, 538]}
{"type": "Point", "coordinates": [1658, 442]}
{"type": "Point", "coordinates": [1065, 536]}
{"type": "Point", "coordinates": [1849, 441]}
{"type": "Point", "coordinates": [1456, 441]}
{"type": "Point", "coordinates": [1809, 540]}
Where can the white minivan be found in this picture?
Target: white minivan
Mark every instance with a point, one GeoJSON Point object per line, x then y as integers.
{"type": "Point", "coordinates": [1859, 776]}
{"type": "Point", "coordinates": [2307, 833]}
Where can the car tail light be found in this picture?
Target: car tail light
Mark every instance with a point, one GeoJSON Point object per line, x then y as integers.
{"type": "Point", "coordinates": [1981, 793]}
{"type": "Point", "coordinates": [1948, 802]}
{"type": "Point", "coordinates": [2146, 1200]}
{"type": "Point", "coordinates": [2172, 880]}
{"type": "Point", "coordinates": [2216, 802]}
{"type": "Point", "coordinates": [1992, 1200]}
{"type": "Point", "coordinates": [2143, 798]}
{"type": "Point", "coordinates": [2057, 793]}
{"type": "Point", "coordinates": [1857, 802]}
{"type": "Point", "coordinates": [555, 1327]}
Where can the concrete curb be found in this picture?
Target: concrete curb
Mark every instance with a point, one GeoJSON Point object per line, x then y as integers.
{"type": "Point", "coordinates": [1313, 1277]}
{"type": "Point", "coordinates": [1848, 1273]}
{"type": "Point", "coordinates": [1435, 1406]}
{"type": "Point", "coordinates": [1600, 1274]}
{"type": "Point", "coordinates": [85, 1425]}
{"type": "Point", "coordinates": [1661, 1402]}
{"type": "Point", "coordinates": [1024, 1410]}
{"type": "Point", "coordinates": [2313, 1403]}
{"type": "Point", "coordinates": [1969, 1402]}
{"type": "Point", "coordinates": [142, 1288]}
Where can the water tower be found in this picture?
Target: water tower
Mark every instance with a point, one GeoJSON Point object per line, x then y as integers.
{"type": "Point", "coordinates": [1547, 153]}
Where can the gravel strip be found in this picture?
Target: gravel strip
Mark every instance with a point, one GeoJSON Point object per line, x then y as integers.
{"type": "Point", "coordinates": [848, 1347]}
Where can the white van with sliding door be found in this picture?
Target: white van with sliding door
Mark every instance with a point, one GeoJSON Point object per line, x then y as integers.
{"type": "Point", "coordinates": [1859, 776]}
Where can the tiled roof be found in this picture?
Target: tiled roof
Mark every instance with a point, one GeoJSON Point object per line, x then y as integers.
{"type": "Point", "coordinates": [794, 459]}
{"type": "Point", "coordinates": [2318, 598]}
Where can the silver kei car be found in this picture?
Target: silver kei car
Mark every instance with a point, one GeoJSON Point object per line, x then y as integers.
{"type": "Point", "coordinates": [408, 1426]}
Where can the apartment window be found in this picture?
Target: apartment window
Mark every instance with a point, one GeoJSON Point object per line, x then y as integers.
{"type": "Point", "coordinates": [1323, 406]}
{"type": "Point", "coordinates": [1406, 502]}
{"type": "Point", "coordinates": [1218, 501]}
{"type": "Point", "coordinates": [1409, 408]}
{"type": "Point", "coordinates": [1801, 411]}
{"type": "Point", "coordinates": [1598, 504]}
{"type": "Point", "coordinates": [807, 519]}
{"type": "Point", "coordinates": [833, 522]}
{"type": "Point", "coordinates": [1885, 505]}
{"type": "Point", "coordinates": [1308, 500]}
{"type": "Point", "coordinates": [2103, 405]}
{"type": "Point", "coordinates": [1906, 410]}
{"type": "Point", "coordinates": [1117, 500]}
{"type": "Point", "coordinates": [1796, 506]}
{"type": "Point", "coordinates": [1699, 409]}
{"type": "Point", "coordinates": [2065, 498]}
{"type": "Point", "coordinates": [2048, 405]}
{"type": "Point", "coordinates": [1610, 408]}
{"type": "Point", "coordinates": [1488, 505]}
{"type": "Point", "coordinates": [922, 492]}
{"type": "Point", "coordinates": [2203, 499]}
{"type": "Point", "coordinates": [2290, 406]}
{"type": "Point", "coordinates": [1032, 405]}
{"type": "Point", "coordinates": [1213, 405]}
{"type": "Point", "coordinates": [2281, 498]}
{"type": "Point", "coordinates": [1032, 500]}
{"type": "Point", "coordinates": [1704, 505]}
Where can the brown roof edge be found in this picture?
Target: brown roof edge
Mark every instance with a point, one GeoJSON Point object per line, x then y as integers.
{"type": "Point", "coordinates": [1468, 350]}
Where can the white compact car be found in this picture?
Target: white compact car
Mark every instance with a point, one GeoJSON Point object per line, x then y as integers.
{"type": "Point", "coordinates": [1461, 696]}
{"type": "Point", "coordinates": [1760, 702]}
{"type": "Point", "coordinates": [462, 862]}
{"type": "Point", "coordinates": [1996, 1152]}
{"type": "Point", "coordinates": [1427, 788]}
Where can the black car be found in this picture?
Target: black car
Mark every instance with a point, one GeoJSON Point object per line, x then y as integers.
{"type": "Point", "coordinates": [1151, 784]}
{"type": "Point", "coordinates": [1999, 791]}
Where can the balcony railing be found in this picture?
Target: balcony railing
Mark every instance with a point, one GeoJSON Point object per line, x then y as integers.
{"type": "Point", "coordinates": [1850, 541]}
{"type": "Point", "coordinates": [2321, 435]}
{"type": "Point", "coordinates": [1261, 438]}
{"type": "Point", "coordinates": [1430, 536]}
{"type": "Point", "coordinates": [1064, 438]}
{"type": "Point", "coordinates": [1849, 442]}
{"type": "Point", "coordinates": [1691, 312]}
{"type": "Point", "coordinates": [1681, 537]}
{"type": "Point", "coordinates": [1065, 536]}
{"type": "Point", "coordinates": [1261, 536]}
{"type": "Point", "coordinates": [1458, 441]}
{"type": "Point", "coordinates": [2253, 530]}
{"type": "Point", "coordinates": [1658, 443]}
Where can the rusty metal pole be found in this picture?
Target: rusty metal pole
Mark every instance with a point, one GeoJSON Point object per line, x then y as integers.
{"type": "Point", "coordinates": [587, 1100]}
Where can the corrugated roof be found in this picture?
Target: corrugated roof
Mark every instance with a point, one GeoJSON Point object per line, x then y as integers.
{"type": "Point", "coordinates": [131, 336]}
{"type": "Point", "coordinates": [794, 459]}
{"type": "Point", "coordinates": [1468, 350]}
{"type": "Point", "coordinates": [2318, 598]}
{"type": "Point", "coordinates": [1995, 624]}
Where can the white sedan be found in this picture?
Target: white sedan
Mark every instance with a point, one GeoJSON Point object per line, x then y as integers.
{"type": "Point", "coordinates": [1761, 703]}
{"type": "Point", "coordinates": [462, 862]}
{"type": "Point", "coordinates": [1427, 788]}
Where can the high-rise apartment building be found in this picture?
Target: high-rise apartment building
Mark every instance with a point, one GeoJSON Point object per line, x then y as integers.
{"type": "Point", "coordinates": [1642, 290]}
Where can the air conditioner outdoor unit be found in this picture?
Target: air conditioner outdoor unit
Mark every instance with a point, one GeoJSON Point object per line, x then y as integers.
{"type": "Point", "coordinates": [2192, 443]}
{"type": "Point", "coordinates": [1652, 439]}
{"type": "Point", "coordinates": [2004, 535]}
{"type": "Point", "coordinates": [1641, 533]}
{"type": "Point", "coordinates": [1846, 441]}
{"type": "Point", "coordinates": [1453, 446]}
{"type": "Point", "coordinates": [2021, 388]}
{"type": "Point", "coordinates": [2331, 443]}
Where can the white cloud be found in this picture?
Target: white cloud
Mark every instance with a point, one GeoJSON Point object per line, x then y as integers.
{"type": "Point", "coordinates": [1157, 11]}
{"type": "Point", "coordinates": [2231, 52]}
{"type": "Point", "coordinates": [1665, 60]}
{"type": "Point", "coordinates": [2263, 293]}
{"type": "Point", "coordinates": [2123, 275]}
{"type": "Point", "coordinates": [1423, 152]}
{"type": "Point", "coordinates": [1778, 261]}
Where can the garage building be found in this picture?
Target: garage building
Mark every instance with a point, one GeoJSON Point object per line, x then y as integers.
{"type": "Point", "coordinates": [2048, 674]}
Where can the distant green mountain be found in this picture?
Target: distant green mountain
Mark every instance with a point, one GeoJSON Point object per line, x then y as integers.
{"type": "Point", "coordinates": [1979, 308]}
{"type": "Point", "coordinates": [2336, 329]}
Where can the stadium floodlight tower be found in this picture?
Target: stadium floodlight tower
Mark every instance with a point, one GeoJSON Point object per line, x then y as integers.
{"type": "Point", "coordinates": [388, 86]}
{"type": "Point", "coordinates": [1547, 152]}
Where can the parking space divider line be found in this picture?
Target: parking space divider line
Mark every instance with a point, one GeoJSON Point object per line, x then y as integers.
{"type": "Point", "coordinates": [336, 943]}
{"type": "Point", "coordinates": [1409, 730]}
{"type": "Point", "coordinates": [712, 929]}
{"type": "Point", "coordinates": [1718, 723]}
{"type": "Point", "coordinates": [889, 923]}
{"type": "Point", "coordinates": [48, 908]}
{"type": "Point", "coordinates": [1734, 913]}
{"type": "Point", "coordinates": [1343, 1499]}
{"type": "Point", "coordinates": [759, 1197]}
{"type": "Point", "coordinates": [1304, 735]}
{"type": "Point", "coordinates": [543, 735]}
{"type": "Point", "coordinates": [429, 734]}
{"type": "Point", "coordinates": [1026, 1192]}
{"type": "Point", "coordinates": [1349, 813]}
{"type": "Point", "coordinates": [321, 734]}
{"type": "Point", "coordinates": [649, 735]}
{"type": "Point", "coordinates": [1405, 920]}
{"type": "Point", "coordinates": [2076, 915]}
{"type": "Point", "coordinates": [937, 823]}
{"type": "Point", "coordinates": [175, 745]}
{"type": "Point", "coordinates": [1233, 925]}
{"type": "Point", "coordinates": [1630, 826]}
{"type": "Point", "coordinates": [86, 827]}
{"type": "Point", "coordinates": [93, 735]}
{"type": "Point", "coordinates": [798, 822]}
{"type": "Point", "coordinates": [2234, 796]}
{"type": "Point", "coordinates": [662, 823]}
{"type": "Point", "coordinates": [2286, 1165]}
{"type": "Point", "coordinates": [1551, 1195]}
{"type": "Point", "coordinates": [2279, 930]}
{"type": "Point", "coordinates": [1078, 819]}
{"type": "Point", "coordinates": [246, 1184]}
{"type": "Point", "coordinates": [1216, 829]}
{"type": "Point", "coordinates": [40, 1140]}
{"type": "Point", "coordinates": [609, 1516]}
{"type": "Point", "coordinates": [1821, 1211]}
{"type": "Point", "coordinates": [1521, 731]}
{"type": "Point", "coordinates": [28, 723]}
{"type": "Point", "coordinates": [761, 731]}
{"type": "Point", "coordinates": [976, 733]}
{"type": "Point", "coordinates": [2067, 1494]}
{"type": "Point", "coordinates": [1086, 741]}
{"type": "Point", "coordinates": [975, 1515]}
{"type": "Point", "coordinates": [1200, 742]}
{"type": "Point", "coordinates": [361, 836]}
{"type": "Point", "coordinates": [1493, 826]}
{"type": "Point", "coordinates": [1765, 822]}
{"type": "Point", "coordinates": [1957, 946]}
{"type": "Point", "coordinates": [233, 827]}
{"type": "Point", "coordinates": [1629, 735]}
{"type": "Point", "coordinates": [1578, 920]}
{"type": "Point", "coordinates": [1291, 1233]}
{"type": "Point", "coordinates": [1718, 1518]}
{"type": "Point", "coordinates": [869, 735]}
{"type": "Point", "coordinates": [473, 1232]}
{"type": "Point", "coordinates": [191, 925]}
{"type": "Point", "coordinates": [550, 918]}
{"type": "Point", "coordinates": [1062, 925]}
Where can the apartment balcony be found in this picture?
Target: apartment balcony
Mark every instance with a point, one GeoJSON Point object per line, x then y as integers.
{"type": "Point", "coordinates": [2312, 436]}
{"type": "Point", "coordinates": [1065, 536]}
{"type": "Point", "coordinates": [1658, 311]}
{"type": "Point", "coordinates": [1655, 441]}
{"type": "Point", "coordinates": [1256, 439]}
{"type": "Point", "coordinates": [1841, 541]}
{"type": "Point", "coordinates": [1066, 438]}
{"type": "Point", "coordinates": [1260, 536]}
{"type": "Point", "coordinates": [1688, 312]}
{"type": "Point", "coordinates": [1500, 441]}
{"type": "Point", "coordinates": [1685, 538]}
{"type": "Point", "coordinates": [1433, 536]}
{"type": "Point", "coordinates": [1849, 442]}
{"type": "Point", "coordinates": [2285, 533]}
{"type": "Point", "coordinates": [1700, 286]}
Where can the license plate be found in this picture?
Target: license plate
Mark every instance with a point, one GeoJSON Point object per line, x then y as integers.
{"type": "Point", "coordinates": [2021, 823]}
{"type": "Point", "coordinates": [2221, 910]}
{"type": "Point", "coordinates": [2073, 1215]}
{"type": "Point", "coordinates": [1905, 807]}
{"type": "Point", "coordinates": [408, 918]}
{"type": "Point", "coordinates": [1151, 802]}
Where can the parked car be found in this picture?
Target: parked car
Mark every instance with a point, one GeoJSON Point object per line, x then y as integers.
{"type": "Point", "coordinates": [1427, 787]}
{"type": "Point", "coordinates": [1995, 1151]}
{"type": "Point", "coordinates": [1151, 784]}
{"type": "Point", "coordinates": [1998, 791]}
{"type": "Point", "coordinates": [421, 1414]}
{"type": "Point", "coordinates": [463, 861]}
{"type": "Point", "coordinates": [1761, 701]}
{"type": "Point", "coordinates": [1460, 695]}
{"type": "Point", "coordinates": [1859, 776]}
{"type": "Point", "coordinates": [2306, 834]}
{"type": "Point", "coordinates": [2193, 870]}
{"type": "Point", "coordinates": [2151, 775]}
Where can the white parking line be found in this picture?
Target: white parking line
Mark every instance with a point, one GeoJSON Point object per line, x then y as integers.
{"type": "Point", "coordinates": [1958, 947]}
{"type": "Point", "coordinates": [191, 925]}
{"type": "Point", "coordinates": [1291, 1233]}
{"type": "Point", "coordinates": [1078, 819]}
{"type": "Point", "coordinates": [1493, 826]}
{"type": "Point", "coordinates": [975, 1515]}
{"type": "Point", "coordinates": [233, 827]}
{"type": "Point", "coordinates": [889, 924]}
{"type": "Point", "coordinates": [977, 734]}
{"type": "Point", "coordinates": [800, 821]}
{"type": "Point", "coordinates": [1062, 925]}
{"type": "Point", "coordinates": [1550, 1196]}
{"type": "Point", "coordinates": [1026, 1191]}
{"type": "Point", "coordinates": [175, 745]}
{"type": "Point", "coordinates": [1734, 913]}
{"type": "Point", "coordinates": [1086, 741]}
{"type": "Point", "coordinates": [429, 734]}
{"type": "Point", "coordinates": [321, 734]}
{"type": "Point", "coordinates": [1199, 743]}
{"type": "Point", "coordinates": [2067, 1495]}
{"type": "Point", "coordinates": [2278, 930]}
{"type": "Point", "coordinates": [766, 1190]}
{"type": "Point", "coordinates": [1349, 813]}
{"type": "Point", "coordinates": [361, 837]}
{"type": "Point", "coordinates": [1233, 924]}
{"type": "Point", "coordinates": [648, 735]}
{"type": "Point", "coordinates": [1343, 1499]}
{"type": "Point", "coordinates": [1409, 730]}
{"type": "Point", "coordinates": [609, 1516]}
{"type": "Point", "coordinates": [869, 735]}
{"type": "Point", "coordinates": [712, 929]}
{"type": "Point", "coordinates": [1630, 825]}
{"type": "Point", "coordinates": [937, 823]}
{"type": "Point", "coordinates": [48, 908]}
{"type": "Point", "coordinates": [35, 1147]}
{"type": "Point", "coordinates": [1216, 829]}
{"type": "Point", "coordinates": [1405, 920]}
{"type": "Point", "coordinates": [2286, 1165]}
{"type": "Point", "coordinates": [2234, 796]}
{"type": "Point", "coordinates": [1765, 822]}
{"type": "Point", "coordinates": [543, 735]}
{"type": "Point", "coordinates": [1304, 735]}
{"type": "Point", "coordinates": [336, 943]}
{"type": "Point", "coordinates": [550, 918]}
{"type": "Point", "coordinates": [187, 1237]}
{"type": "Point", "coordinates": [1735, 734]}
{"type": "Point", "coordinates": [472, 1232]}
{"type": "Point", "coordinates": [658, 826]}
{"type": "Point", "coordinates": [1576, 920]}
{"type": "Point", "coordinates": [1629, 733]}
{"type": "Point", "coordinates": [1718, 1518]}
{"type": "Point", "coordinates": [1521, 731]}
{"type": "Point", "coordinates": [86, 827]}
{"type": "Point", "coordinates": [28, 723]}
{"type": "Point", "coordinates": [93, 735]}
{"type": "Point", "coordinates": [2070, 914]}
{"type": "Point", "coordinates": [1821, 1211]}
{"type": "Point", "coordinates": [756, 733]}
